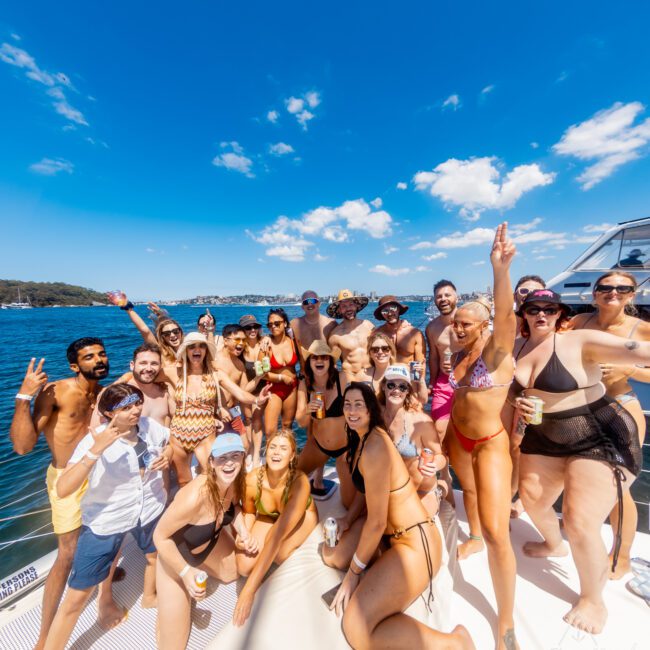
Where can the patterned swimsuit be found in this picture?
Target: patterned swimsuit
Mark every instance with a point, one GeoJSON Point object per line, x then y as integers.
{"type": "Point", "coordinates": [196, 421]}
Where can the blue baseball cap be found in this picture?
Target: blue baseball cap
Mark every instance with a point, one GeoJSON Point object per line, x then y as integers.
{"type": "Point", "coordinates": [227, 443]}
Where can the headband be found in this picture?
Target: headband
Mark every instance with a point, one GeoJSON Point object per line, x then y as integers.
{"type": "Point", "coordinates": [127, 401]}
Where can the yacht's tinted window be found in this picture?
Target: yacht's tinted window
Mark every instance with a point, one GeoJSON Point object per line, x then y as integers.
{"type": "Point", "coordinates": [635, 251]}
{"type": "Point", "coordinates": [605, 257]}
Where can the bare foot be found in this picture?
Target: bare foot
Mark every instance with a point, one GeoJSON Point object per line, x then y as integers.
{"type": "Point", "coordinates": [623, 567]}
{"type": "Point", "coordinates": [110, 615]}
{"type": "Point", "coordinates": [507, 640]}
{"type": "Point", "coordinates": [516, 509]}
{"type": "Point", "coordinates": [587, 616]}
{"type": "Point", "coordinates": [469, 547]}
{"type": "Point", "coordinates": [463, 637]}
{"type": "Point", "coordinates": [542, 549]}
{"type": "Point", "coordinates": [149, 601]}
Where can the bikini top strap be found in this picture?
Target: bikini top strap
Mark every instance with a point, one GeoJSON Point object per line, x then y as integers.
{"type": "Point", "coordinates": [521, 349]}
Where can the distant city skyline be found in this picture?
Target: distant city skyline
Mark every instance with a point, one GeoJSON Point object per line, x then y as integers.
{"type": "Point", "coordinates": [215, 149]}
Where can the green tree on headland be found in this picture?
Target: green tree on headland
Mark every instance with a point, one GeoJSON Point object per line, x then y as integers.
{"type": "Point", "coordinates": [46, 294]}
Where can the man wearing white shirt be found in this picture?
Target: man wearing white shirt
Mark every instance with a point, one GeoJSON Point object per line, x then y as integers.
{"type": "Point", "coordinates": [121, 462]}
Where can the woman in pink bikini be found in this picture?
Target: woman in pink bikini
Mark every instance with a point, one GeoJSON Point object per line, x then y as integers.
{"type": "Point", "coordinates": [282, 377]}
{"type": "Point", "coordinates": [482, 372]}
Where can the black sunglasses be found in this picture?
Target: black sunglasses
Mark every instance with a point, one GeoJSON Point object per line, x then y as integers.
{"type": "Point", "coordinates": [175, 332]}
{"type": "Point", "coordinates": [275, 323]}
{"type": "Point", "coordinates": [380, 348]}
{"type": "Point", "coordinates": [248, 328]}
{"type": "Point", "coordinates": [402, 388]}
{"type": "Point", "coordinates": [549, 311]}
{"type": "Point", "coordinates": [619, 288]}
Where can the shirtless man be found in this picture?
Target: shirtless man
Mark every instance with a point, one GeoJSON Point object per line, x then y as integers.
{"type": "Point", "coordinates": [312, 326]}
{"type": "Point", "coordinates": [408, 340]}
{"type": "Point", "coordinates": [350, 337]}
{"type": "Point", "coordinates": [229, 360]}
{"type": "Point", "coordinates": [62, 411]}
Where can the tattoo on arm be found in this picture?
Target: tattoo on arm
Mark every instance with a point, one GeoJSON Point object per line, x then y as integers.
{"type": "Point", "coordinates": [631, 345]}
{"type": "Point", "coordinates": [509, 640]}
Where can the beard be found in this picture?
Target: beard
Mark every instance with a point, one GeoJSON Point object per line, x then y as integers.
{"type": "Point", "coordinates": [100, 371]}
{"type": "Point", "coordinates": [149, 379]}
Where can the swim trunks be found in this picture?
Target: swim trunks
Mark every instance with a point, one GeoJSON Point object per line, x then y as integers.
{"type": "Point", "coordinates": [66, 511]}
{"type": "Point", "coordinates": [442, 397]}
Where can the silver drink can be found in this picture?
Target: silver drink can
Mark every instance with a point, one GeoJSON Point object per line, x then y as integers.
{"type": "Point", "coordinates": [331, 532]}
{"type": "Point", "coordinates": [536, 417]}
{"type": "Point", "coordinates": [447, 356]}
{"type": "Point", "coordinates": [415, 374]}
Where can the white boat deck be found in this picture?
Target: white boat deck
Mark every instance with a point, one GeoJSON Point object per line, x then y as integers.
{"type": "Point", "coordinates": [289, 613]}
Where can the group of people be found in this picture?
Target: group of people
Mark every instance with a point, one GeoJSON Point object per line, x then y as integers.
{"type": "Point", "coordinates": [122, 455]}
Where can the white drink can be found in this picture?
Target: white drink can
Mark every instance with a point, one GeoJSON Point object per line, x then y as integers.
{"type": "Point", "coordinates": [536, 417]}
{"type": "Point", "coordinates": [331, 532]}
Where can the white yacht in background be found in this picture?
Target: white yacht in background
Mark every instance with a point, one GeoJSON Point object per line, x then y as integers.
{"type": "Point", "coordinates": [19, 304]}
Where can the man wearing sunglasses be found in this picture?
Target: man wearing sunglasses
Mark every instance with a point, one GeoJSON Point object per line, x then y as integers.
{"type": "Point", "coordinates": [408, 340]}
{"type": "Point", "coordinates": [313, 326]}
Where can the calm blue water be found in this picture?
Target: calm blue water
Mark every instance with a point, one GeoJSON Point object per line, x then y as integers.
{"type": "Point", "coordinates": [47, 333]}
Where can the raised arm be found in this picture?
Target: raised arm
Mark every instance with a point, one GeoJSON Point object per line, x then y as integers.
{"type": "Point", "coordinates": [120, 300]}
{"type": "Point", "coordinates": [25, 427]}
{"type": "Point", "coordinates": [505, 323]}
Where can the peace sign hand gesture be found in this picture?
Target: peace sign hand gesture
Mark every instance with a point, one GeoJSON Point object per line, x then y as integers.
{"type": "Point", "coordinates": [503, 250]}
{"type": "Point", "coordinates": [34, 379]}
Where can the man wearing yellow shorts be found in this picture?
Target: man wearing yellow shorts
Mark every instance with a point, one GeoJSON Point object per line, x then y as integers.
{"type": "Point", "coordinates": [62, 411]}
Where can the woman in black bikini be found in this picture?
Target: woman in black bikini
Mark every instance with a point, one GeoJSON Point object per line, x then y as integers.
{"type": "Point", "coordinates": [278, 512]}
{"type": "Point", "coordinates": [584, 446]}
{"type": "Point", "coordinates": [373, 603]}
{"type": "Point", "coordinates": [326, 437]}
{"type": "Point", "coordinates": [191, 536]}
{"type": "Point", "coordinates": [613, 296]}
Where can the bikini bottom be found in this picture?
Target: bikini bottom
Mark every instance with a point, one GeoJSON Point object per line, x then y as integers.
{"type": "Point", "coordinates": [283, 390]}
{"type": "Point", "coordinates": [468, 444]}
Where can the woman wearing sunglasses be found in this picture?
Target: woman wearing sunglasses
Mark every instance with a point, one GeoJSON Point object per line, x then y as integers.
{"type": "Point", "coordinates": [613, 298]}
{"type": "Point", "coordinates": [253, 415]}
{"type": "Point", "coordinates": [281, 349]}
{"type": "Point", "coordinates": [382, 353]}
{"type": "Point", "coordinates": [479, 447]}
{"type": "Point", "coordinates": [586, 445]}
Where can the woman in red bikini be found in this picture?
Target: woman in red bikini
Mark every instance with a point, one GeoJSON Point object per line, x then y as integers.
{"type": "Point", "coordinates": [282, 376]}
{"type": "Point", "coordinates": [479, 452]}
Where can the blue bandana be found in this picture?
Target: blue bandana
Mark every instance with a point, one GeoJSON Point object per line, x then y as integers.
{"type": "Point", "coordinates": [127, 401]}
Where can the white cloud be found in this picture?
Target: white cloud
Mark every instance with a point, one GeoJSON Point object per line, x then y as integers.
{"type": "Point", "coordinates": [401, 185]}
{"type": "Point", "coordinates": [300, 107]}
{"type": "Point", "coordinates": [319, 258]}
{"type": "Point", "coordinates": [303, 117]}
{"type": "Point", "coordinates": [149, 250]}
{"type": "Point", "coordinates": [534, 145]}
{"type": "Point", "coordinates": [434, 256]}
{"type": "Point", "coordinates": [331, 224]}
{"type": "Point", "coordinates": [518, 228]}
{"type": "Point", "coordinates": [280, 149]}
{"type": "Point", "coordinates": [473, 237]}
{"type": "Point", "coordinates": [272, 116]}
{"type": "Point", "coordinates": [69, 112]}
{"type": "Point", "coordinates": [376, 203]}
{"type": "Point", "coordinates": [453, 102]}
{"type": "Point", "coordinates": [387, 270]}
{"type": "Point", "coordinates": [234, 160]}
{"type": "Point", "coordinates": [609, 138]}
{"type": "Point", "coordinates": [545, 257]}
{"type": "Point", "coordinates": [294, 104]}
{"type": "Point", "coordinates": [422, 269]}
{"type": "Point", "coordinates": [601, 227]}
{"type": "Point", "coordinates": [16, 37]}
{"type": "Point", "coordinates": [52, 166]}
{"type": "Point", "coordinates": [421, 246]}
{"type": "Point", "coordinates": [488, 89]}
{"type": "Point", "coordinates": [312, 98]}
{"type": "Point", "coordinates": [476, 184]}
{"type": "Point", "coordinates": [479, 263]}
{"type": "Point", "coordinates": [389, 250]}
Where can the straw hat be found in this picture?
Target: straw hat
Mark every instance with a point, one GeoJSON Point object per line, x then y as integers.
{"type": "Point", "coordinates": [195, 337]}
{"type": "Point", "coordinates": [345, 294]}
{"type": "Point", "coordinates": [389, 300]}
{"type": "Point", "coordinates": [320, 348]}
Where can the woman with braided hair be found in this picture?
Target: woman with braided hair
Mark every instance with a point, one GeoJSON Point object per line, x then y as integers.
{"type": "Point", "coordinates": [278, 512]}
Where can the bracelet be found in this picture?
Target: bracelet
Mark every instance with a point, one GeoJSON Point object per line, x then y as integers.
{"type": "Point", "coordinates": [24, 396]}
{"type": "Point", "coordinates": [92, 456]}
{"type": "Point", "coordinates": [358, 562]}
{"type": "Point", "coordinates": [127, 307]}
{"type": "Point", "coordinates": [183, 571]}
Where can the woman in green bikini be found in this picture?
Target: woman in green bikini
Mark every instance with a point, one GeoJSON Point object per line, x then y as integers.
{"type": "Point", "coordinates": [278, 512]}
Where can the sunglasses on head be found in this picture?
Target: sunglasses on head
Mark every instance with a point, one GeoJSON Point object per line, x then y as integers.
{"type": "Point", "coordinates": [175, 332]}
{"type": "Point", "coordinates": [402, 388]}
{"type": "Point", "coordinates": [609, 288]}
{"type": "Point", "coordinates": [380, 348]}
{"type": "Point", "coordinates": [248, 328]}
{"type": "Point", "coordinates": [310, 301]}
{"type": "Point", "coordinates": [548, 311]}
{"type": "Point", "coordinates": [275, 323]}
{"type": "Point", "coordinates": [523, 291]}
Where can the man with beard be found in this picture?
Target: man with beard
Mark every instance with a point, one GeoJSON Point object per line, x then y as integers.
{"type": "Point", "coordinates": [439, 337]}
{"type": "Point", "coordinates": [350, 336]}
{"type": "Point", "coordinates": [312, 326]}
{"type": "Point", "coordinates": [62, 411]}
{"type": "Point", "coordinates": [229, 360]}
{"type": "Point", "coordinates": [408, 340]}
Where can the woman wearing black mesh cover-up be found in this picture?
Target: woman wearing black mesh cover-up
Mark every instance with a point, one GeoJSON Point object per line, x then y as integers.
{"type": "Point", "coordinates": [585, 446]}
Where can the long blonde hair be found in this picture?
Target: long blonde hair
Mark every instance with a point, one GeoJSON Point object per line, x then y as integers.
{"type": "Point", "coordinates": [288, 434]}
{"type": "Point", "coordinates": [389, 342]}
{"type": "Point", "coordinates": [167, 351]}
{"type": "Point", "coordinates": [212, 488]}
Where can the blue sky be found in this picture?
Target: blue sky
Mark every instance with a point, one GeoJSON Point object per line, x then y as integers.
{"type": "Point", "coordinates": [219, 148]}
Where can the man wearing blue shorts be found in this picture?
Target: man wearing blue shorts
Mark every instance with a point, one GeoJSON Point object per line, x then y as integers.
{"type": "Point", "coordinates": [121, 463]}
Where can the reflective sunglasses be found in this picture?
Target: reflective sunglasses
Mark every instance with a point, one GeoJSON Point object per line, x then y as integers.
{"type": "Point", "coordinates": [609, 288]}
{"type": "Point", "coordinates": [274, 323]}
{"type": "Point", "coordinates": [549, 311]}
{"type": "Point", "coordinates": [389, 308]}
{"type": "Point", "coordinates": [175, 332]}
{"type": "Point", "coordinates": [310, 301]}
{"type": "Point", "coordinates": [237, 339]}
{"type": "Point", "coordinates": [380, 348]}
{"type": "Point", "coordinates": [402, 388]}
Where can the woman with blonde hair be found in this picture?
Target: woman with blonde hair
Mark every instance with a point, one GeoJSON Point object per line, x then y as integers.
{"type": "Point", "coordinates": [278, 512]}
{"type": "Point", "coordinates": [194, 534]}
